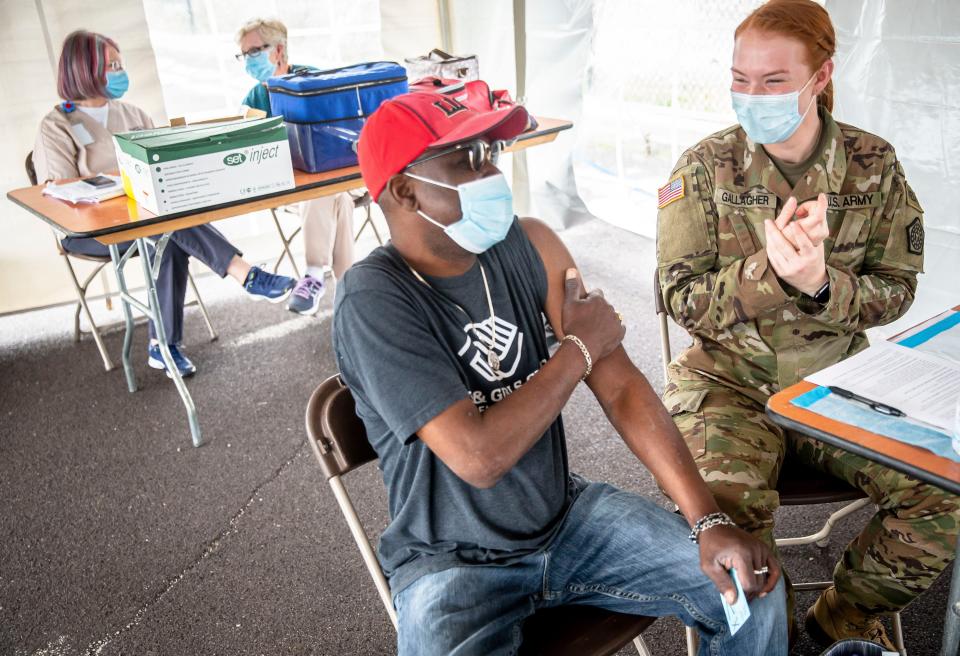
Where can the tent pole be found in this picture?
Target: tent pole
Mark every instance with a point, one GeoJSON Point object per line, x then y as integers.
{"type": "Point", "coordinates": [521, 179]}
{"type": "Point", "coordinates": [446, 31]}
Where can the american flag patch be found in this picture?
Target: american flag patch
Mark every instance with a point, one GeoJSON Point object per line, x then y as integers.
{"type": "Point", "coordinates": [670, 192]}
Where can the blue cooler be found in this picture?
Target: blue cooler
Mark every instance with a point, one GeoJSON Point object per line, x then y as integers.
{"type": "Point", "coordinates": [325, 110]}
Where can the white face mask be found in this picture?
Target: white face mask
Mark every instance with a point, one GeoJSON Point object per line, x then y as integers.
{"type": "Point", "coordinates": [770, 119]}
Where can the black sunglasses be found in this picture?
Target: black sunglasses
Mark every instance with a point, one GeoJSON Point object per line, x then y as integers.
{"type": "Point", "coordinates": [478, 151]}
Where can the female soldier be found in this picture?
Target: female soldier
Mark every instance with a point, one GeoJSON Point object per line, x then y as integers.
{"type": "Point", "coordinates": [772, 290]}
{"type": "Point", "coordinates": [75, 141]}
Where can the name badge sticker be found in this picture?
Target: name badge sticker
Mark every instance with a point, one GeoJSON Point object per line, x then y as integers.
{"type": "Point", "coordinates": [81, 133]}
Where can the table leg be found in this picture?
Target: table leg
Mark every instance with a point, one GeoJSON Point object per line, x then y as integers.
{"type": "Point", "coordinates": [154, 303]}
{"type": "Point", "coordinates": [118, 265]}
{"type": "Point", "coordinates": [951, 627]}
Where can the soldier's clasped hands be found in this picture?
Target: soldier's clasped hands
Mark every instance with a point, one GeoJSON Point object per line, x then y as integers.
{"type": "Point", "coordinates": [795, 244]}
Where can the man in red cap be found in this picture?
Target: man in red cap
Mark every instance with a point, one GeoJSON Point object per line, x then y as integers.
{"type": "Point", "coordinates": [461, 341]}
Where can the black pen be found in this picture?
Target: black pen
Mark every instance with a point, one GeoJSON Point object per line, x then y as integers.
{"type": "Point", "coordinates": [874, 405]}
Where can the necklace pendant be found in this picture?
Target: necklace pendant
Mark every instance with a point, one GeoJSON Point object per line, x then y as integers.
{"type": "Point", "coordinates": [493, 361]}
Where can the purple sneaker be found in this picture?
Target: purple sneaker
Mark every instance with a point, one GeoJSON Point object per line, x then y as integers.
{"type": "Point", "coordinates": [306, 296]}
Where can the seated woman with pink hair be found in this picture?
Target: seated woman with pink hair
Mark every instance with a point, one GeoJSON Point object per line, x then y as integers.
{"type": "Point", "coordinates": [74, 141]}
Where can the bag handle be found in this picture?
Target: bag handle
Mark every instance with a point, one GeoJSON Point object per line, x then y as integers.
{"type": "Point", "coordinates": [445, 56]}
{"type": "Point", "coordinates": [362, 65]}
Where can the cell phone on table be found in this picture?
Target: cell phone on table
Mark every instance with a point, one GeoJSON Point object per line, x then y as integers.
{"type": "Point", "coordinates": [100, 181]}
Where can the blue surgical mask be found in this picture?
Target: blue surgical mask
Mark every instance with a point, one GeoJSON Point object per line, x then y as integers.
{"type": "Point", "coordinates": [487, 212]}
{"type": "Point", "coordinates": [770, 119]}
{"type": "Point", "coordinates": [117, 83]}
{"type": "Point", "coordinates": [259, 66]}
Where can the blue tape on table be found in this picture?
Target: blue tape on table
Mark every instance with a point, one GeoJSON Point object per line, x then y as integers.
{"type": "Point", "coordinates": [930, 332]}
{"type": "Point", "coordinates": [821, 401]}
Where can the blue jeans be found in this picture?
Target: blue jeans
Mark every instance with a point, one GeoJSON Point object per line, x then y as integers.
{"type": "Point", "coordinates": [615, 550]}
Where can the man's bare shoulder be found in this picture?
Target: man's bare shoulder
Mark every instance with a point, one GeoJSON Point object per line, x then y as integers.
{"type": "Point", "coordinates": [540, 234]}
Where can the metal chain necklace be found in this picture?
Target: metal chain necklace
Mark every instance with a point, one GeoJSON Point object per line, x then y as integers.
{"type": "Point", "coordinates": [492, 359]}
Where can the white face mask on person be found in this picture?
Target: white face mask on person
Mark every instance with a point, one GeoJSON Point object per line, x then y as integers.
{"type": "Point", "coordinates": [487, 212]}
{"type": "Point", "coordinates": [770, 119]}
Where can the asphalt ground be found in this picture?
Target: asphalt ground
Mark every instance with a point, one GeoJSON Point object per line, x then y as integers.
{"type": "Point", "coordinates": [119, 537]}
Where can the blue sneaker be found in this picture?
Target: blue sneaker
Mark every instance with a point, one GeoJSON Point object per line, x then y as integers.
{"type": "Point", "coordinates": [306, 296]}
{"type": "Point", "coordinates": [269, 286]}
{"type": "Point", "coordinates": [155, 361]}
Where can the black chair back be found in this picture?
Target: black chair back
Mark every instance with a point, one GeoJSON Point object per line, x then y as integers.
{"type": "Point", "coordinates": [31, 170]}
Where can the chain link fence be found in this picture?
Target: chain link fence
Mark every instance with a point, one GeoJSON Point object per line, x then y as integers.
{"type": "Point", "coordinates": [659, 82]}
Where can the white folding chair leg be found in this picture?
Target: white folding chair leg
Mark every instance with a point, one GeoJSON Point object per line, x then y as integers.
{"type": "Point", "coordinates": [664, 342]}
{"type": "Point", "coordinates": [107, 293]}
{"type": "Point", "coordinates": [82, 303]}
{"type": "Point", "coordinates": [81, 289]}
{"type": "Point", "coordinates": [822, 537]}
{"type": "Point", "coordinates": [360, 537]}
{"type": "Point", "coordinates": [202, 306]}
{"type": "Point", "coordinates": [368, 220]}
{"type": "Point", "coordinates": [693, 642]}
{"type": "Point", "coordinates": [641, 646]}
{"type": "Point", "coordinates": [898, 635]}
{"type": "Point", "coordinates": [285, 240]}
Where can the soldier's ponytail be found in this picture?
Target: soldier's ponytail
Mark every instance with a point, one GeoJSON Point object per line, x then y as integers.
{"type": "Point", "coordinates": [805, 21]}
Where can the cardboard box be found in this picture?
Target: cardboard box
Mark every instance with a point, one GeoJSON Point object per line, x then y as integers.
{"type": "Point", "coordinates": [174, 169]}
{"type": "Point", "coordinates": [248, 113]}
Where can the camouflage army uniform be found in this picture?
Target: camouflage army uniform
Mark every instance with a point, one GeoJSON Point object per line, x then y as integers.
{"type": "Point", "coordinates": [755, 335]}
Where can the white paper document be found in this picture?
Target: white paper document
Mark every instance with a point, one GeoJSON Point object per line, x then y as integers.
{"type": "Point", "coordinates": [923, 386]}
{"type": "Point", "coordinates": [81, 192]}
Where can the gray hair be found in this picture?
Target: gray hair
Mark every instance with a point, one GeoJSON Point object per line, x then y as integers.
{"type": "Point", "coordinates": [270, 30]}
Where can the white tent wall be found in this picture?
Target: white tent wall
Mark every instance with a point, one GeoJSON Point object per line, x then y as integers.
{"type": "Point", "coordinates": [31, 273]}
{"type": "Point", "coordinates": [557, 54]}
{"type": "Point", "coordinates": [898, 76]}
{"type": "Point", "coordinates": [409, 28]}
{"type": "Point", "coordinates": [557, 46]}
{"type": "Point", "coordinates": [559, 37]}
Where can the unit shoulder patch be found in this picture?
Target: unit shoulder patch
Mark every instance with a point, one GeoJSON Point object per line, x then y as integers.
{"type": "Point", "coordinates": [915, 237]}
{"type": "Point", "coordinates": [673, 190]}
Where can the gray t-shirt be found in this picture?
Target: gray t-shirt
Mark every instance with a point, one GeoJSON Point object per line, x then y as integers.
{"type": "Point", "coordinates": [405, 351]}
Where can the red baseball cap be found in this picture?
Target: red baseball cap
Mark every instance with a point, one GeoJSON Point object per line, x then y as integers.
{"type": "Point", "coordinates": [405, 126]}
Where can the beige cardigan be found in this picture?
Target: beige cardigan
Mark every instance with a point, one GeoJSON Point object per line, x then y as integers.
{"type": "Point", "coordinates": [71, 145]}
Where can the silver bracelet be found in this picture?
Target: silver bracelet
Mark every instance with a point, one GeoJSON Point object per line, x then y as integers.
{"type": "Point", "coordinates": [583, 349]}
{"type": "Point", "coordinates": [707, 522]}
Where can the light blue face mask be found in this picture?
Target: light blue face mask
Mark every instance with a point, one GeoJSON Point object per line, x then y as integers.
{"type": "Point", "coordinates": [770, 119]}
{"type": "Point", "coordinates": [259, 66]}
{"type": "Point", "coordinates": [117, 83]}
{"type": "Point", "coordinates": [487, 212]}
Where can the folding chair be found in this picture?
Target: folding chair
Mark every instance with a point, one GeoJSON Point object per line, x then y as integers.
{"type": "Point", "coordinates": [81, 288]}
{"type": "Point", "coordinates": [797, 485]}
{"type": "Point", "coordinates": [366, 202]}
{"type": "Point", "coordinates": [285, 239]}
{"type": "Point", "coordinates": [339, 441]}
{"type": "Point", "coordinates": [363, 201]}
